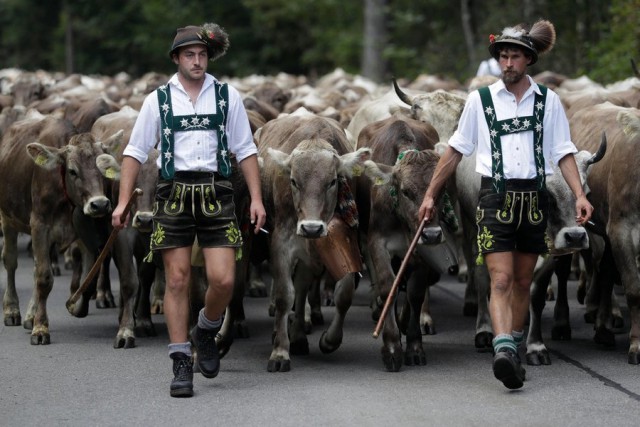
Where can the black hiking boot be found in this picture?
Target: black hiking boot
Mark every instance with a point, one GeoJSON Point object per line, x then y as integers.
{"type": "Point", "coordinates": [207, 356]}
{"type": "Point", "coordinates": [182, 383]}
{"type": "Point", "coordinates": [507, 368]}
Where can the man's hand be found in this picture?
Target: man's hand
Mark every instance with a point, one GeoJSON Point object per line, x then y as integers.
{"type": "Point", "coordinates": [583, 210]}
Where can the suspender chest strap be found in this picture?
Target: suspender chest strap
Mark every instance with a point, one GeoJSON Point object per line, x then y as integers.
{"type": "Point", "coordinates": [171, 124]}
{"type": "Point", "coordinates": [498, 128]}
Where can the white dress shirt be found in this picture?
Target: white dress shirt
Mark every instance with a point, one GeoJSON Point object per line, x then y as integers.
{"type": "Point", "coordinates": [517, 148]}
{"type": "Point", "coordinates": [193, 150]}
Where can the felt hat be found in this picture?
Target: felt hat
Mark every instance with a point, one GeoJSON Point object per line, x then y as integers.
{"type": "Point", "coordinates": [539, 39]}
{"type": "Point", "coordinates": [210, 35]}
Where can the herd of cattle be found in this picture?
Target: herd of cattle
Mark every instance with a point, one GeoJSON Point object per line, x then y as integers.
{"type": "Point", "coordinates": [342, 160]}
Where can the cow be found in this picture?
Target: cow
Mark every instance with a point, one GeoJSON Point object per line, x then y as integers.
{"type": "Point", "coordinates": [50, 186]}
{"type": "Point", "coordinates": [402, 163]}
{"type": "Point", "coordinates": [441, 109]}
{"type": "Point", "coordinates": [306, 166]}
{"type": "Point", "coordinates": [614, 195]}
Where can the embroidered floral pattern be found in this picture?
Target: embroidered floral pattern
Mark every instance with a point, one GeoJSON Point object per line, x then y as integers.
{"type": "Point", "coordinates": [233, 234]}
{"type": "Point", "coordinates": [158, 236]}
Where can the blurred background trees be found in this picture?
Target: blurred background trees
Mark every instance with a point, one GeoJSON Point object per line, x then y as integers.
{"type": "Point", "coordinates": [375, 38]}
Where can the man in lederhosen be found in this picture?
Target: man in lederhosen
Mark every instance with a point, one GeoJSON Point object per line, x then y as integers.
{"type": "Point", "coordinates": [196, 122]}
{"type": "Point", "coordinates": [519, 128]}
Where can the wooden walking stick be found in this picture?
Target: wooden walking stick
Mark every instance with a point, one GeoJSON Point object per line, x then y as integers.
{"type": "Point", "coordinates": [71, 302]}
{"type": "Point", "coordinates": [396, 282]}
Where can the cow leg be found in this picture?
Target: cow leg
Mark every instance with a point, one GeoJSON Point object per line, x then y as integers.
{"type": "Point", "coordinates": [624, 252]}
{"type": "Point", "coordinates": [123, 258]}
{"type": "Point", "coordinates": [257, 286]}
{"type": "Point", "coordinates": [302, 280]}
{"type": "Point", "coordinates": [416, 293]}
{"type": "Point", "coordinates": [484, 329]}
{"type": "Point", "coordinates": [279, 360]}
{"type": "Point", "coordinates": [143, 324]}
{"type": "Point", "coordinates": [470, 307]}
{"type": "Point", "coordinates": [10, 302]}
{"type": "Point", "coordinates": [43, 284]}
{"type": "Point", "coordinates": [537, 353]}
{"type": "Point", "coordinates": [104, 296]}
{"type": "Point", "coordinates": [561, 327]}
{"type": "Point", "coordinates": [604, 284]}
{"type": "Point", "coordinates": [343, 297]}
{"type": "Point", "coordinates": [314, 301]}
{"type": "Point", "coordinates": [427, 326]}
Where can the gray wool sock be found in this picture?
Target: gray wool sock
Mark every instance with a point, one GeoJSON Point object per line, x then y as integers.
{"type": "Point", "coordinates": [205, 323]}
{"type": "Point", "coordinates": [180, 347]}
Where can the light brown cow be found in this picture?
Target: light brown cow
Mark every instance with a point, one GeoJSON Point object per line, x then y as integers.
{"type": "Point", "coordinates": [401, 167]}
{"type": "Point", "coordinates": [41, 158]}
{"type": "Point", "coordinates": [305, 158]}
{"type": "Point", "coordinates": [614, 194]}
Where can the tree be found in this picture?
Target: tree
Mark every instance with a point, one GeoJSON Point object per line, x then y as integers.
{"type": "Point", "coordinates": [374, 65]}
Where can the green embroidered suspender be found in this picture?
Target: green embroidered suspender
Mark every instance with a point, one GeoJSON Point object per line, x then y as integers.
{"type": "Point", "coordinates": [498, 128]}
{"type": "Point", "coordinates": [171, 124]}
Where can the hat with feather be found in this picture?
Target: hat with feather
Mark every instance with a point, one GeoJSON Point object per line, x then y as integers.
{"type": "Point", "coordinates": [210, 35]}
{"type": "Point", "coordinates": [535, 41]}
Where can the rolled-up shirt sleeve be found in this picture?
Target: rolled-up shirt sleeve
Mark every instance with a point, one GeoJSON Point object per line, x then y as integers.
{"type": "Point", "coordinates": [557, 136]}
{"type": "Point", "coordinates": [465, 138]}
{"type": "Point", "coordinates": [145, 133]}
{"type": "Point", "coordinates": [241, 142]}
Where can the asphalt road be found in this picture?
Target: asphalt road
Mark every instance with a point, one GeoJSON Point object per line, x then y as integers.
{"type": "Point", "coordinates": [80, 380]}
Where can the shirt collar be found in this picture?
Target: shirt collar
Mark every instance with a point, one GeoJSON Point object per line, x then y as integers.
{"type": "Point", "coordinates": [208, 81]}
{"type": "Point", "coordinates": [499, 86]}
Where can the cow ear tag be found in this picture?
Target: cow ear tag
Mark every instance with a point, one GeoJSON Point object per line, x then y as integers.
{"type": "Point", "coordinates": [357, 170]}
{"type": "Point", "coordinates": [110, 173]}
{"type": "Point", "coordinates": [379, 181]}
{"type": "Point", "coordinates": [41, 159]}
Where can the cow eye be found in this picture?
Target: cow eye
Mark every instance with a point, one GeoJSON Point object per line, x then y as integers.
{"type": "Point", "coordinates": [293, 183]}
{"type": "Point", "coordinates": [406, 193]}
{"type": "Point", "coordinates": [332, 183]}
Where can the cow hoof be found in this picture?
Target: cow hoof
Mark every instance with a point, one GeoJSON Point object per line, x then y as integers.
{"type": "Point", "coordinates": [326, 346]}
{"type": "Point", "coordinates": [618, 324]}
{"type": "Point", "coordinates": [272, 310]}
{"type": "Point", "coordinates": [12, 319]}
{"type": "Point", "coordinates": [590, 317]}
{"type": "Point", "coordinates": [145, 329]}
{"type": "Point", "coordinates": [428, 329]}
{"type": "Point", "coordinates": [223, 342]}
{"type": "Point", "coordinates": [105, 301]}
{"type": "Point", "coordinates": [279, 365]}
{"type": "Point", "coordinates": [392, 360]}
{"type": "Point", "coordinates": [551, 296]}
{"type": "Point", "coordinates": [56, 271]}
{"type": "Point", "coordinates": [415, 357]}
{"type": "Point", "coordinates": [122, 342]}
{"type": "Point", "coordinates": [470, 309]}
{"type": "Point", "coordinates": [561, 333]}
{"type": "Point", "coordinates": [317, 319]}
{"type": "Point", "coordinates": [581, 294]}
{"type": "Point", "coordinates": [157, 307]}
{"type": "Point", "coordinates": [28, 324]}
{"type": "Point", "coordinates": [537, 358]}
{"type": "Point", "coordinates": [604, 337]}
{"type": "Point", "coordinates": [256, 291]}
{"type": "Point", "coordinates": [634, 358]}
{"type": "Point", "coordinates": [483, 342]}
{"type": "Point", "coordinates": [241, 330]}
{"type": "Point", "coordinates": [376, 311]}
{"type": "Point", "coordinates": [299, 348]}
{"type": "Point", "coordinates": [40, 339]}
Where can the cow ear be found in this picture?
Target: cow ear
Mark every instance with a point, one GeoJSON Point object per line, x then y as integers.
{"type": "Point", "coordinates": [379, 174]}
{"type": "Point", "coordinates": [108, 166]}
{"type": "Point", "coordinates": [281, 159]}
{"type": "Point", "coordinates": [352, 164]}
{"type": "Point", "coordinates": [113, 143]}
{"type": "Point", "coordinates": [46, 157]}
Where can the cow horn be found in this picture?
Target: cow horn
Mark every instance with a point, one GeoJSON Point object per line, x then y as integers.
{"type": "Point", "coordinates": [634, 67]}
{"type": "Point", "coordinates": [403, 96]}
{"type": "Point", "coordinates": [600, 153]}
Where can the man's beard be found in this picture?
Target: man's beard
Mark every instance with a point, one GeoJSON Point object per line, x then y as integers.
{"type": "Point", "coordinates": [511, 77]}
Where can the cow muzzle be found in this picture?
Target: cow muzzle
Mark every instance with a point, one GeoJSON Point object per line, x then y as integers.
{"type": "Point", "coordinates": [311, 229]}
{"type": "Point", "coordinates": [143, 221]}
{"type": "Point", "coordinates": [431, 236]}
{"type": "Point", "coordinates": [97, 207]}
{"type": "Point", "coordinates": [571, 239]}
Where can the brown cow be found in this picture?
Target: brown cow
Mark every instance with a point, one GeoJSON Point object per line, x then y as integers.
{"type": "Point", "coordinates": [42, 158]}
{"type": "Point", "coordinates": [401, 167]}
{"type": "Point", "coordinates": [614, 195]}
{"type": "Point", "coordinates": [306, 159]}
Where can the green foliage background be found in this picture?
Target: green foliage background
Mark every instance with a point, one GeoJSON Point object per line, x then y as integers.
{"type": "Point", "coordinates": [310, 37]}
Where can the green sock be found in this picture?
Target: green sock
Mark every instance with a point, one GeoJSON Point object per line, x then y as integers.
{"type": "Point", "coordinates": [503, 341]}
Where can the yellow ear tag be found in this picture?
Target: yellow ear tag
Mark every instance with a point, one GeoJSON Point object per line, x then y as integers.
{"type": "Point", "coordinates": [110, 173]}
{"type": "Point", "coordinates": [379, 181]}
{"type": "Point", "coordinates": [357, 170]}
{"type": "Point", "coordinates": [41, 159]}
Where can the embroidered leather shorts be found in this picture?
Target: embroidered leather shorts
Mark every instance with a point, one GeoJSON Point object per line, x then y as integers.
{"type": "Point", "coordinates": [513, 220]}
{"type": "Point", "coordinates": [194, 204]}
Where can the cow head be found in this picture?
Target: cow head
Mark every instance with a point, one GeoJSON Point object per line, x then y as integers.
{"type": "Point", "coordinates": [403, 187]}
{"type": "Point", "coordinates": [564, 234]}
{"type": "Point", "coordinates": [439, 108]}
{"type": "Point", "coordinates": [313, 168]}
{"type": "Point", "coordinates": [83, 183]}
{"type": "Point", "coordinates": [146, 181]}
